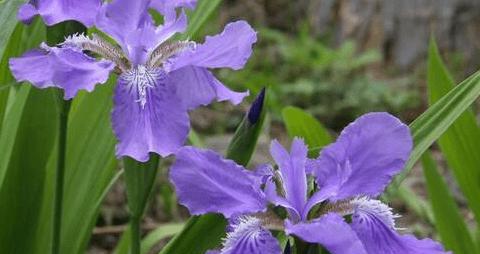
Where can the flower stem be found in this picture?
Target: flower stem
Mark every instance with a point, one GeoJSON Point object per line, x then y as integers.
{"type": "Point", "coordinates": [139, 179]}
{"type": "Point", "coordinates": [64, 108]}
{"type": "Point", "coordinates": [135, 235]}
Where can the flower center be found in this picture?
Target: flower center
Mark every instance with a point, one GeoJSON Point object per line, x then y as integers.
{"type": "Point", "coordinates": [141, 79]}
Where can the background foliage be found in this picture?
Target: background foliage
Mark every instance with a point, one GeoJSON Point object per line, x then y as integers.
{"type": "Point", "coordinates": [314, 89]}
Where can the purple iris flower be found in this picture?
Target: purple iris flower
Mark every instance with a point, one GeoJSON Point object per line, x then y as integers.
{"type": "Point", "coordinates": [348, 175]}
{"type": "Point", "coordinates": [159, 81]}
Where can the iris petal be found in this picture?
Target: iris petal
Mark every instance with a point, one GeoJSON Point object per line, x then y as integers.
{"type": "Point", "coordinates": [248, 236]}
{"type": "Point", "coordinates": [292, 169]}
{"type": "Point", "coordinates": [197, 86]}
{"type": "Point", "coordinates": [368, 153]}
{"type": "Point", "coordinates": [331, 231]}
{"type": "Point", "coordinates": [167, 7]}
{"type": "Point", "coordinates": [121, 18]}
{"type": "Point", "coordinates": [207, 183]}
{"type": "Point", "coordinates": [147, 115]}
{"type": "Point", "coordinates": [230, 49]}
{"type": "Point", "coordinates": [56, 11]}
{"type": "Point", "coordinates": [66, 68]}
{"type": "Point", "coordinates": [373, 223]}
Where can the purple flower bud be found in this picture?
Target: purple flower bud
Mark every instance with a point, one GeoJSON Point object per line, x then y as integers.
{"type": "Point", "coordinates": [257, 107]}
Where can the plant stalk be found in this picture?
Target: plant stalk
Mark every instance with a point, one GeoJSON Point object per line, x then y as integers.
{"type": "Point", "coordinates": [64, 108]}
{"type": "Point", "coordinates": [139, 179]}
{"type": "Point", "coordinates": [135, 235]}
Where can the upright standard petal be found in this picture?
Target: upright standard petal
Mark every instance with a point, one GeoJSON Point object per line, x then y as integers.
{"type": "Point", "coordinates": [167, 30]}
{"type": "Point", "coordinates": [197, 86]}
{"type": "Point", "coordinates": [292, 169]}
{"type": "Point", "coordinates": [167, 7]}
{"type": "Point", "coordinates": [368, 153]}
{"type": "Point", "coordinates": [207, 183]}
{"type": "Point", "coordinates": [56, 11]}
{"type": "Point", "coordinates": [374, 224]}
{"type": "Point", "coordinates": [230, 49]}
{"type": "Point", "coordinates": [248, 236]}
{"type": "Point", "coordinates": [147, 115]}
{"type": "Point", "coordinates": [121, 18]}
{"type": "Point", "coordinates": [332, 232]}
{"type": "Point", "coordinates": [66, 68]}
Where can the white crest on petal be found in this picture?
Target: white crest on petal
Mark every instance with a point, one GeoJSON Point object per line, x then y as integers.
{"type": "Point", "coordinates": [366, 206]}
{"type": "Point", "coordinates": [166, 50]}
{"type": "Point", "coordinates": [246, 226]}
{"type": "Point", "coordinates": [140, 79]}
{"type": "Point", "coordinates": [99, 46]}
{"type": "Point", "coordinates": [76, 40]}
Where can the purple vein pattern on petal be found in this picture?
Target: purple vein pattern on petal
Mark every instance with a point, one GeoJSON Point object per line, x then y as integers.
{"type": "Point", "coordinates": [56, 11]}
{"type": "Point", "coordinates": [367, 154]}
{"type": "Point", "coordinates": [331, 231]}
{"type": "Point", "coordinates": [197, 86]}
{"type": "Point", "coordinates": [147, 116]}
{"type": "Point", "coordinates": [66, 68]}
{"type": "Point", "coordinates": [292, 169]}
{"type": "Point", "coordinates": [207, 183]}
{"type": "Point", "coordinates": [248, 236]}
{"type": "Point", "coordinates": [230, 49]}
{"type": "Point", "coordinates": [374, 225]}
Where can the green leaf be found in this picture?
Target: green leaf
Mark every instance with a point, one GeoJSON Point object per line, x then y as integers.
{"type": "Point", "coordinates": [27, 134]}
{"type": "Point", "coordinates": [91, 165]}
{"type": "Point", "coordinates": [437, 119]}
{"type": "Point", "coordinates": [460, 144]}
{"type": "Point", "coordinates": [33, 131]}
{"type": "Point", "coordinates": [158, 234]}
{"type": "Point", "coordinates": [202, 12]}
{"type": "Point", "coordinates": [149, 241]}
{"type": "Point", "coordinates": [8, 13]}
{"type": "Point", "coordinates": [419, 206]}
{"type": "Point", "coordinates": [22, 39]}
{"type": "Point", "coordinates": [90, 172]}
{"type": "Point", "coordinates": [301, 124]}
{"type": "Point", "coordinates": [448, 221]}
{"type": "Point", "coordinates": [202, 233]}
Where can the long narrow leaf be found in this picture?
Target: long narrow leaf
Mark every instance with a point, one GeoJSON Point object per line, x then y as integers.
{"type": "Point", "coordinates": [8, 21]}
{"type": "Point", "coordinates": [158, 234]}
{"type": "Point", "coordinates": [150, 240]}
{"type": "Point", "coordinates": [26, 140]}
{"type": "Point", "coordinates": [460, 144]}
{"type": "Point", "coordinates": [448, 221]}
{"type": "Point", "coordinates": [437, 119]}
{"type": "Point", "coordinates": [90, 172]}
{"type": "Point", "coordinates": [15, 98]}
{"type": "Point", "coordinates": [22, 188]}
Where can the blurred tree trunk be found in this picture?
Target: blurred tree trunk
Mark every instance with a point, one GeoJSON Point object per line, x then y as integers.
{"type": "Point", "coordinates": [400, 28]}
